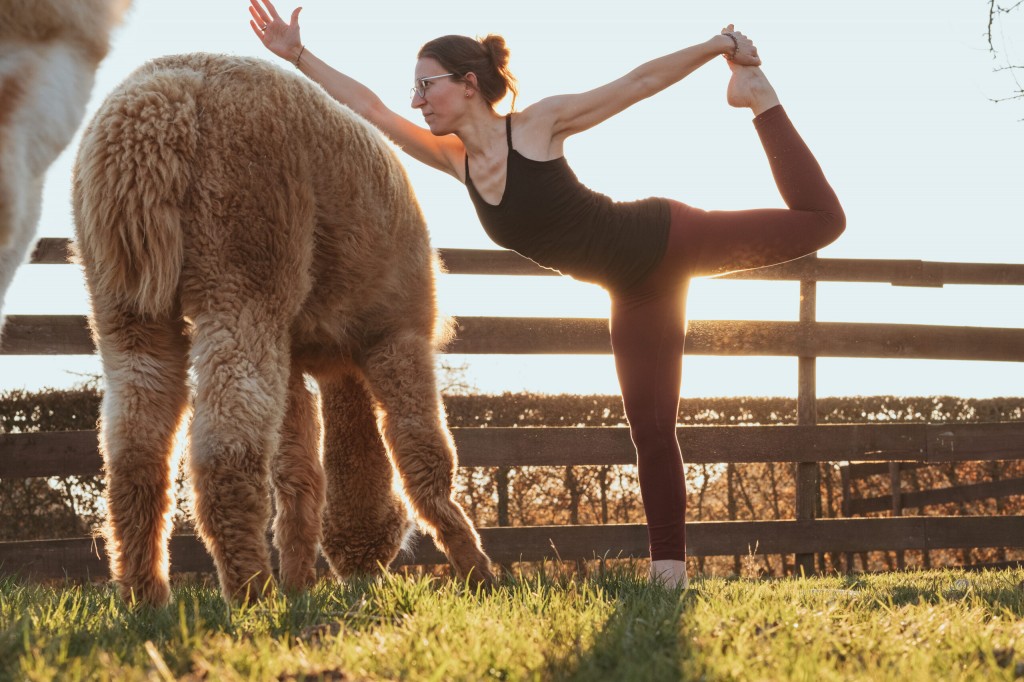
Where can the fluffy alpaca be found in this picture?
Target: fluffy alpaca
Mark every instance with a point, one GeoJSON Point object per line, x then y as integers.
{"type": "Point", "coordinates": [49, 51]}
{"type": "Point", "coordinates": [231, 216]}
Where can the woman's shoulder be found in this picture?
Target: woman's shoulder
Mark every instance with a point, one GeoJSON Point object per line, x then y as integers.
{"type": "Point", "coordinates": [541, 112]}
{"type": "Point", "coordinates": [533, 131]}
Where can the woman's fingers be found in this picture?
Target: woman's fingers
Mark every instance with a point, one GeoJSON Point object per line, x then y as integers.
{"type": "Point", "coordinates": [746, 51]}
{"type": "Point", "coordinates": [266, 8]}
{"type": "Point", "coordinates": [258, 13]}
{"type": "Point", "coordinates": [264, 20]}
{"type": "Point", "coordinates": [257, 19]}
{"type": "Point", "coordinates": [277, 35]}
{"type": "Point", "coordinates": [749, 58]}
{"type": "Point", "coordinates": [270, 8]}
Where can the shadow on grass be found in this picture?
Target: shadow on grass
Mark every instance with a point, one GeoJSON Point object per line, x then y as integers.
{"type": "Point", "coordinates": [995, 591]}
{"type": "Point", "coordinates": [641, 640]}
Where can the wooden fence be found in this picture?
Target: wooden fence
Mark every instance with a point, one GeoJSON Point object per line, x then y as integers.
{"type": "Point", "coordinates": [898, 500]}
{"type": "Point", "coordinates": [805, 444]}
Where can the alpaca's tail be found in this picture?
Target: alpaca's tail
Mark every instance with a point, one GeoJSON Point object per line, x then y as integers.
{"type": "Point", "coordinates": [131, 176]}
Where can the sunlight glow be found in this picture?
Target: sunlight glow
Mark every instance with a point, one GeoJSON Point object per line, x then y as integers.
{"type": "Point", "coordinates": [926, 166]}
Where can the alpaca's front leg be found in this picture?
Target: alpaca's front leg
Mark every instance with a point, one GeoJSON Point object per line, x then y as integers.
{"type": "Point", "coordinates": [298, 487]}
{"type": "Point", "coordinates": [46, 88]}
{"type": "Point", "coordinates": [365, 521]}
{"type": "Point", "coordinates": [19, 212]}
{"type": "Point", "coordinates": [146, 394]}
{"type": "Point", "coordinates": [401, 375]}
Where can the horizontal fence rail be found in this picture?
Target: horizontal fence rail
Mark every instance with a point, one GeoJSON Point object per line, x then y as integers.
{"type": "Point", "coordinates": [76, 453]}
{"type": "Point", "coordinates": [55, 251]}
{"type": "Point", "coordinates": [85, 557]}
{"type": "Point", "coordinates": [69, 335]}
{"type": "Point", "coordinates": [951, 495]}
{"type": "Point", "coordinates": [869, 448]}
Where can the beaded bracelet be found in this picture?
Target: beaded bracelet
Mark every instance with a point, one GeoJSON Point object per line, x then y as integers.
{"type": "Point", "coordinates": [302, 48]}
{"type": "Point", "coordinates": [736, 46]}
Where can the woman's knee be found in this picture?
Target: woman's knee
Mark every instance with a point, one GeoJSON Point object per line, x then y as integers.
{"type": "Point", "coordinates": [653, 439]}
{"type": "Point", "coordinates": [833, 224]}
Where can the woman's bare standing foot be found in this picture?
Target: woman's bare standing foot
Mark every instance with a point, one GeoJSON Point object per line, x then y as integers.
{"type": "Point", "coordinates": [749, 88]}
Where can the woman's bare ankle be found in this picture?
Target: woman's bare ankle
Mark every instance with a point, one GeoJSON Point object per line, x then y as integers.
{"type": "Point", "coordinates": [765, 101]}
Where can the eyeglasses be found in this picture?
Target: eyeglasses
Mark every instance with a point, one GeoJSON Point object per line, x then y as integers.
{"type": "Point", "coordinates": [421, 85]}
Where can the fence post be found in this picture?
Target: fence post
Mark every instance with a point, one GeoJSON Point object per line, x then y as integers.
{"type": "Point", "coordinates": [926, 558]}
{"type": "Point", "coordinates": [844, 474]}
{"type": "Point", "coordinates": [502, 480]}
{"type": "Point", "coordinates": [807, 491]}
{"type": "Point", "coordinates": [895, 485]}
{"type": "Point", "coordinates": [730, 501]}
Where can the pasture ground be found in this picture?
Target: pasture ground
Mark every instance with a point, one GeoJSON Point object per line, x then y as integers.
{"type": "Point", "coordinates": [537, 626]}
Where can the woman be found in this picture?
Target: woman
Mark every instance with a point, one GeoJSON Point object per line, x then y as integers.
{"type": "Point", "coordinates": [642, 252]}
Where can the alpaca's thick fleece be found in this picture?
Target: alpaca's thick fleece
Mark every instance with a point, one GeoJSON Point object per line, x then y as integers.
{"type": "Point", "coordinates": [360, 531]}
{"type": "Point", "coordinates": [85, 23]}
{"type": "Point", "coordinates": [49, 52]}
{"type": "Point", "coordinates": [279, 226]}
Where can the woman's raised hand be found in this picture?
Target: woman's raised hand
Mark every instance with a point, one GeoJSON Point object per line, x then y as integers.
{"type": "Point", "coordinates": [280, 37]}
{"type": "Point", "coordinates": [745, 53]}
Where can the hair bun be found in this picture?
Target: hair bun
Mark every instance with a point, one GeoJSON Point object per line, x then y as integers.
{"type": "Point", "coordinates": [495, 46]}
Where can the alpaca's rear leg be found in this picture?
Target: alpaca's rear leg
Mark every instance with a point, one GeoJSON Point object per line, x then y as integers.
{"type": "Point", "coordinates": [365, 521]}
{"type": "Point", "coordinates": [298, 481]}
{"type": "Point", "coordinates": [401, 375]}
{"type": "Point", "coordinates": [145, 365]}
{"type": "Point", "coordinates": [241, 364]}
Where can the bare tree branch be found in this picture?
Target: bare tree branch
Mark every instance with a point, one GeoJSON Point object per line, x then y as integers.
{"type": "Point", "coordinates": [995, 10]}
{"type": "Point", "coordinates": [1019, 95]}
{"type": "Point", "coordinates": [991, 20]}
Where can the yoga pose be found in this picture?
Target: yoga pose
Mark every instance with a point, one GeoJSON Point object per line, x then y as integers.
{"type": "Point", "coordinates": [643, 252]}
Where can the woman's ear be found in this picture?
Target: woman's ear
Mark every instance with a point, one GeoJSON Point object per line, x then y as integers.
{"type": "Point", "coordinates": [469, 80]}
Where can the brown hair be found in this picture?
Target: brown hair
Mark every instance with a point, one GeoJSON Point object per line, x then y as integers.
{"type": "Point", "coordinates": [485, 57]}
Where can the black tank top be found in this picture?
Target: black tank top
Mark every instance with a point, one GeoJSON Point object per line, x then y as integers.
{"type": "Point", "coordinates": [549, 216]}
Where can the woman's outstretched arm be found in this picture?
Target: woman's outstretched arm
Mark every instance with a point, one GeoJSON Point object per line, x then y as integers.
{"type": "Point", "coordinates": [571, 114]}
{"type": "Point", "coordinates": [283, 39]}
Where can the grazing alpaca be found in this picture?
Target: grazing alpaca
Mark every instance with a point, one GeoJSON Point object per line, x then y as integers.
{"type": "Point", "coordinates": [231, 215]}
{"type": "Point", "coordinates": [49, 51]}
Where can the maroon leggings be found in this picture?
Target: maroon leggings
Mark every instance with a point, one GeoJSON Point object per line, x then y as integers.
{"type": "Point", "coordinates": [648, 321]}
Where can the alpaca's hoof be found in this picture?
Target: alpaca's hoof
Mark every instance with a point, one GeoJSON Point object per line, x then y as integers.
{"type": "Point", "coordinates": [257, 588]}
{"type": "Point", "coordinates": [297, 581]}
{"type": "Point", "coordinates": [482, 576]}
{"type": "Point", "coordinates": [148, 591]}
{"type": "Point", "coordinates": [473, 566]}
{"type": "Point", "coordinates": [298, 567]}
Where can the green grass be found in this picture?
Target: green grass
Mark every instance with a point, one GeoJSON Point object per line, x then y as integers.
{"type": "Point", "coordinates": [910, 626]}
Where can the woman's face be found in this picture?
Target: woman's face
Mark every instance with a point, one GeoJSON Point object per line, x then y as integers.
{"type": "Point", "coordinates": [439, 99]}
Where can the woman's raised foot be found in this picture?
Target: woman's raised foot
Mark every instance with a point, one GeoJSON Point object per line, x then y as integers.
{"type": "Point", "coordinates": [749, 88]}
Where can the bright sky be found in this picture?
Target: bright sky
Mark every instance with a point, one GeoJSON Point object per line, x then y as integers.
{"type": "Point", "coordinates": [893, 98]}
